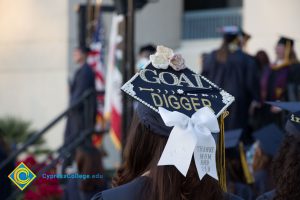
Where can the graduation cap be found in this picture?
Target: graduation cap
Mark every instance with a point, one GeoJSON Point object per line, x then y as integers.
{"type": "Point", "coordinates": [232, 138]}
{"type": "Point", "coordinates": [161, 84]}
{"type": "Point", "coordinates": [230, 33]}
{"type": "Point", "coordinates": [285, 41]}
{"type": "Point", "coordinates": [235, 150]}
{"type": "Point", "coordinates": [293, 123]}
{"type": "Point", "coordinates": [270, 138]}
{"type": "Point", "coordinates": [231, 29]}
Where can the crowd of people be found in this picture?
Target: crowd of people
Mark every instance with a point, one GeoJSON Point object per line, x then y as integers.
{"type": "Point", "coordinates": [255, 81]}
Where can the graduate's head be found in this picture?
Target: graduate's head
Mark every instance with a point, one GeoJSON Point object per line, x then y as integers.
{"type": "Point", "coordinates": [286, 169]}
{"type": "Point", "coordinates": [285, 50]}
{"type": "Point", "coordinates": [80, 54]}
{"type": "Point", "coordinates": [269, 139]}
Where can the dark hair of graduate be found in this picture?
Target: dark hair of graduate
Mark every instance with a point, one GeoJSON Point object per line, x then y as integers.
{"type": "Point", "coordinates": [286, 170]}
{"type": "Point", "coordinates": [141, 154]}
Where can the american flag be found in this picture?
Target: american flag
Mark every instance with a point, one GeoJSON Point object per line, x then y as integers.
{"type": "Point", "coordinates": [96, 60]}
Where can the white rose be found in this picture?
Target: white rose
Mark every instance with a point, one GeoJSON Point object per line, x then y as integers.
{"type": "Point", "coordinates": [162, 50]}
{"type": "Point", "coordinates": [159, 61]}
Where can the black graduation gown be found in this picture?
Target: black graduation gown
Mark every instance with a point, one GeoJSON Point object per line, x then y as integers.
{"type": "Point", "coordinates": [133, 191]}
{"type": "Point", "coordinates": [240, 77]}
{"type": "Point", "coordinates": [263, 182]}
{"type": "Point", "coordinates": [84, 81]}
{"type": "Point", "coordinates": [267, 196]}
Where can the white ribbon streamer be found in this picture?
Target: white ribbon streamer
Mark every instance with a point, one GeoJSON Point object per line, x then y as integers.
{"type": "Point", "coordinates": [191, 136]}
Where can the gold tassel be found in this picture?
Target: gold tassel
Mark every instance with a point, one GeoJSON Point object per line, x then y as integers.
{"type": "Point", "coordinates": [287, 52]}
{"type": "Point", "coordinates": [287, 61]}
{"type": "Point", "coordinates": [246, 170]}
{"type": "Point", "coordinates": [221, 153]}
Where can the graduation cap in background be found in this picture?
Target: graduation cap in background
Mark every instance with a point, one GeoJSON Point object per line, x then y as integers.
{"type": "Point", "coordinates": [232, 138]}
{"type": "Point", "coordinates": [230, 33]}
{"type": "Point", "coordinates": [235, 150]}
{"type": "Point", "coordinates": [286, 41]}
{"type": "Point", "coordinates": [293, 122]}
{"type": "Point", "coordinates": [270, 138]}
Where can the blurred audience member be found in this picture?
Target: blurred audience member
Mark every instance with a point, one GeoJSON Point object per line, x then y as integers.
{"type": "Point", "coordinates": [143, 57]}
{"type": "Point", "coordinates": [269, 139]}
{"type": "Point", "coordinates": [235, 72]}
{"type": "Point", "coordinates": [89, 161]}
{"type": "Point", "coordinates": [78, 118]}
{"type": "Point", "coordinates": [286, 170]}
{"type": "Point", "coordinates": [280, 81]}
{"type": "Point", "coordinates": [262, 60]}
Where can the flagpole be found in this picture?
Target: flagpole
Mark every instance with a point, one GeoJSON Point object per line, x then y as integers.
{"type": "Point", "coordinates": [97, 11]}
{"type": "Point", "coordinates": [128, 66]}
{"type": "Point", "coordinates": [88, 22]}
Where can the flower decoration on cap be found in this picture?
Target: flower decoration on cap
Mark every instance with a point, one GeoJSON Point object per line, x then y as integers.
{"type": "Point", "coordinates": [177, 62]}
{"type": "Point", "coordinates": [165, 57]}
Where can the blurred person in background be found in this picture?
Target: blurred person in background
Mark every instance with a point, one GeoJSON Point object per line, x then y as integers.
{"type": "Point", "coordinates": [89, 161]}
{"type": "Point", "coordinates": [262, 60]}
{"type": "Point", "coordinates": [83, 81]}
{"type": "Point", "coordinates": [280, 81]}
{"type": "Point", "coordinates": [238, 176]}
{"type": "Point", "coordinates": [286, 170]}
{"type": "Point", "coordinates": [5, 183]}
{"type": "Point", "coordinates": [268, 139]}
{"type": "Point", "coordinates": [236, 72]}
{"type": "Point", "coordinates": [286, 165]}
{"type": "Point", "coordinates": [143, 56]}
{"type": "Point", "coordinates": [257, 118]}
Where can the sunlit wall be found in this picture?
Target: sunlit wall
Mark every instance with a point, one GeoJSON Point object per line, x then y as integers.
{"type": "Point", "coordinates": [33, 62]}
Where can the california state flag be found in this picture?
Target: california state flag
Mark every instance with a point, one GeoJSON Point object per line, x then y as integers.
{"type": "Point", "coordinates": [113, 97]}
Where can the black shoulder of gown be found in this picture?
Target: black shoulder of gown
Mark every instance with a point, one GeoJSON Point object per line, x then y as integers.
{"type": "Point", "coordinates": [267, 196]}
{"type": "Point", "coordinates": [129, 191]}
{"type": "Point", "coordinates": [229, 196]}
{"type": "Point", "coordinates": [133, 191]}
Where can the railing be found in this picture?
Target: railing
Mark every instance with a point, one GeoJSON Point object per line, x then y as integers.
{"type": "Point", "coordinates": [40, 133]}
{"type": "Point", "coordinates": [205, 24]}
{"type": "Point", "coordinates": [65, 150]}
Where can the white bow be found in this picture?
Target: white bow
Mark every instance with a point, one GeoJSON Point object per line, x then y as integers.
{"type": "Point", "coordinates": [191, 136]}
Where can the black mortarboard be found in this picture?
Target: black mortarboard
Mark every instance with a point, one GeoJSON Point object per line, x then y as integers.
{"type": "Point", "coordinates": [232, 138]}
{"type": "Point", "coordinates": [293, 123]}
{"type": "Point", "coordinates": [285, 41]}
{"type": "Point", "coordinates": [270, 138]}
{"type": "Point", "coordinates": [183, 91]}
{"type": "Point", "coordinates": [230, 33]}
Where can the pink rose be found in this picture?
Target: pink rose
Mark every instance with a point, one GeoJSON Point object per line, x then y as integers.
{"type": "Point", "coordinates": [177, 62]}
